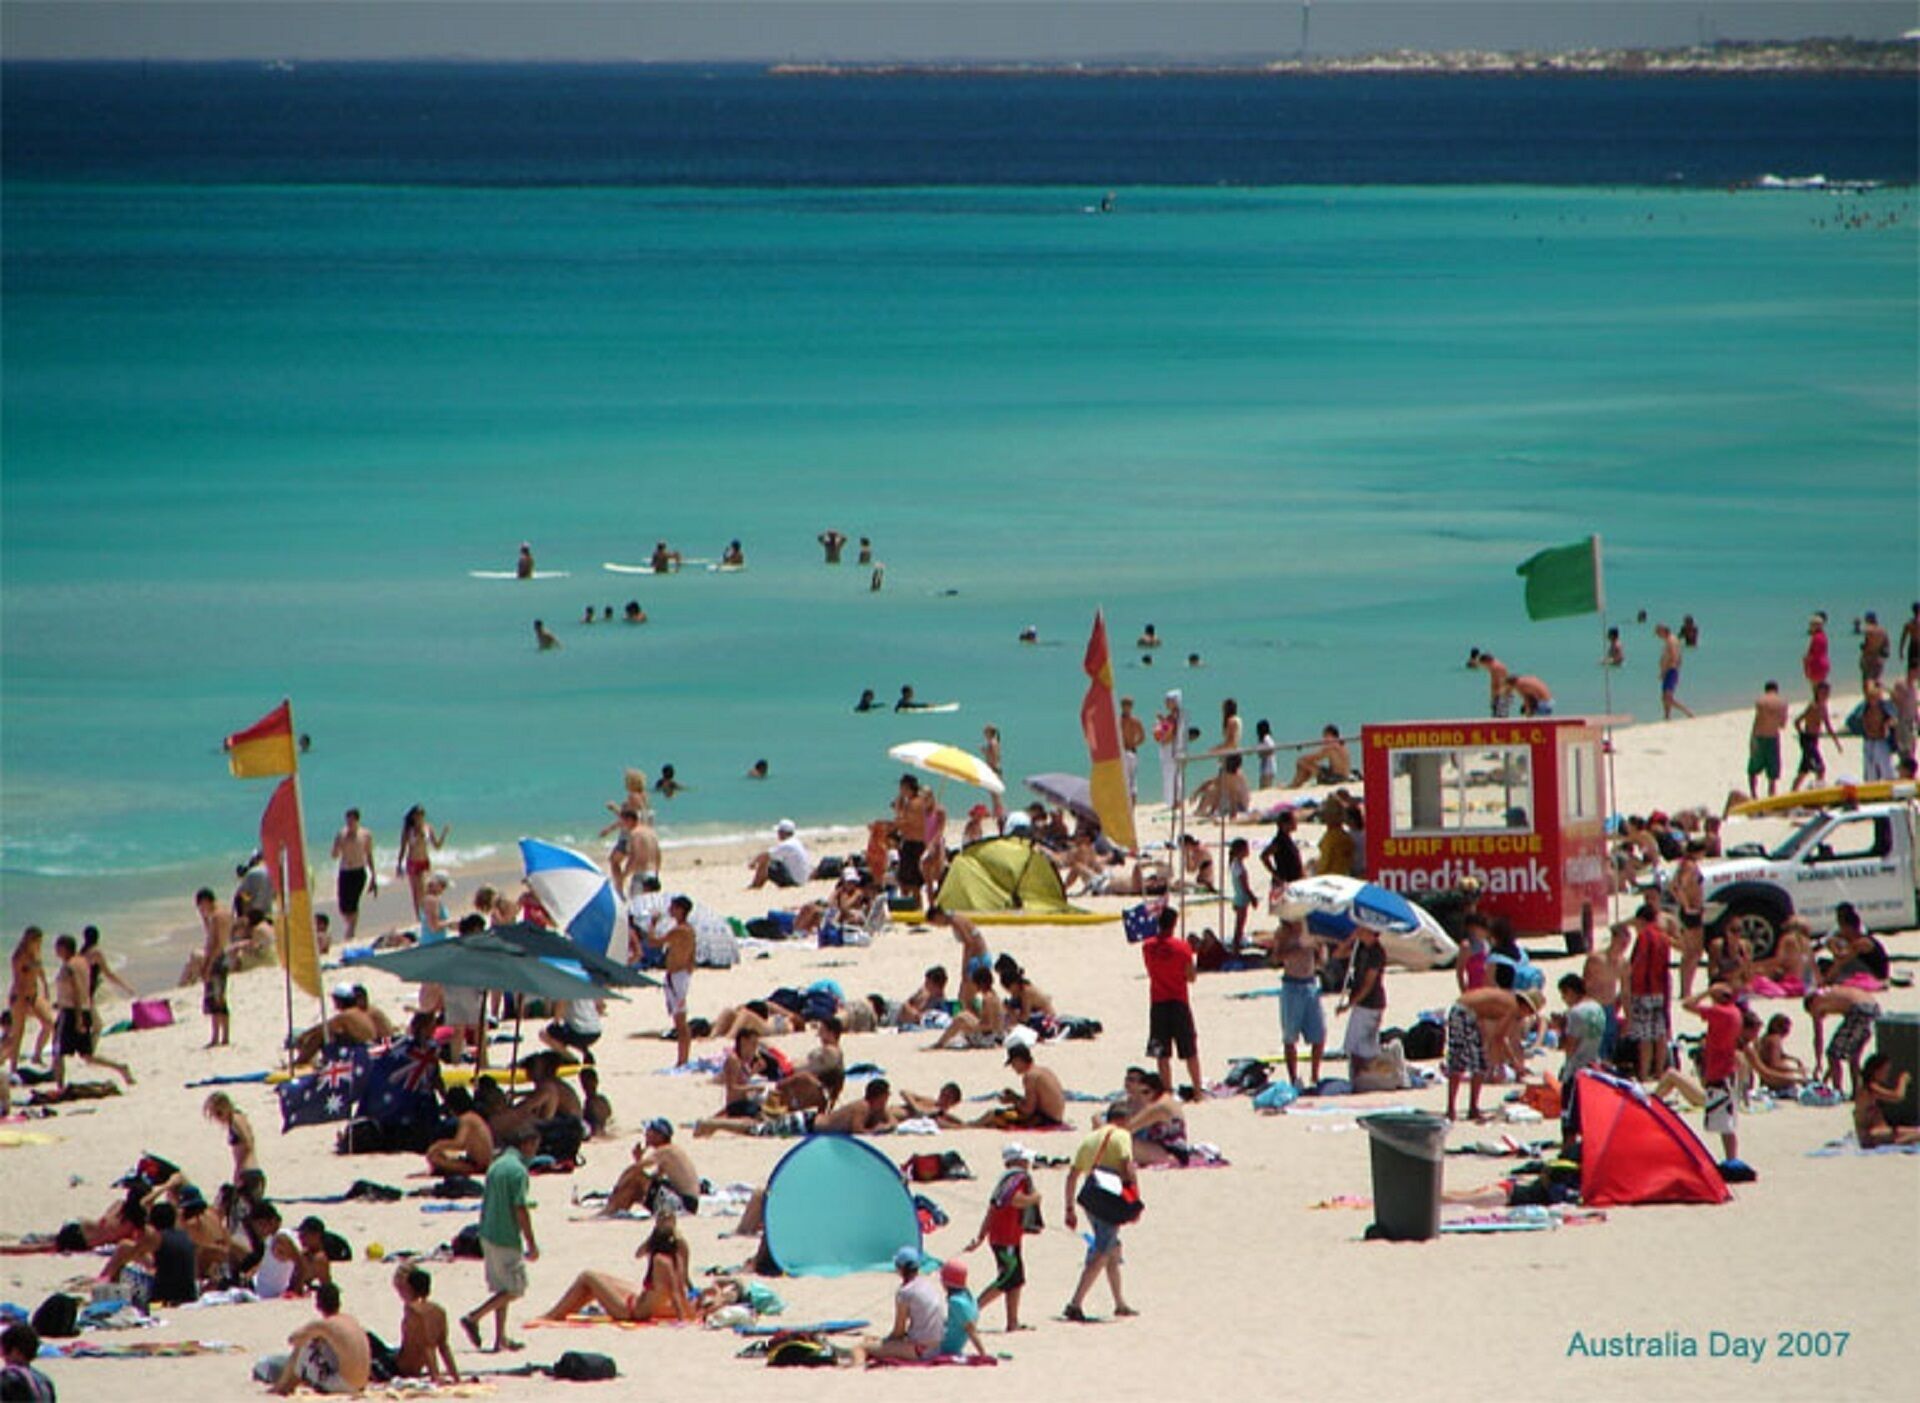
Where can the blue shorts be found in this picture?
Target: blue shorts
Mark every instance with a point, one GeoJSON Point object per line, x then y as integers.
{"type": "Point", "coordinates": [1670, 680]}
{"type": "Point", "coordinates": [1106, 1238]}
{"type": "Point", "coordinates": [1301, 1016]}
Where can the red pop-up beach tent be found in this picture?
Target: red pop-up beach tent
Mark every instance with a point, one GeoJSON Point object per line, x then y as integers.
{"type": "Point", "coordinates": [1634, 1149]}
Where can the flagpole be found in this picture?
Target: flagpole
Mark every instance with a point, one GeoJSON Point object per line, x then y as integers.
{"type": "Point", "coordinates": [300, 837]}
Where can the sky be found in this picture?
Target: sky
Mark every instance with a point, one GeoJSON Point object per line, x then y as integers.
{"type": "Point", "coordinates": [854, 30]}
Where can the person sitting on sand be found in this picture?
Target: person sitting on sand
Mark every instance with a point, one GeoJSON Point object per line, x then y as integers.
{"type": "Point", "coordinates": [279, 1271]}
{"type": "Point", "coordinates": [1196, 860]}
{"type": "Point", "coordinates": [1877, 1087]}
{"type": "Point", "coordinates": [1858, 956]}
{"type": "Point", "coordinates": [1027, 1004]}
{"type": "Point", "coordinates": [930, 997]}
{"type": "Point", "coordinates": [662, 1174]}
{"type": "Point", "coordinates": [756, 1016]}
{"type": "Point", "coordinates": [1768, 1061]}
{"type": "Point", "coordinates": [786, 864]}
{"type": "Point", "coordinates": [1226, 794]}
{"type": "Point", "coordinates": [1159, 1126]}
{"type": "Point", "coordinates": [328, 1355]}
{"type": "Point", "coordinates": [818, 1083]}
{"type": "Point", "coordinates": [1790, 968]}
{"type": "Point", "coordinates": [1327, 763]}
{"type": "Point", "coordinates": [919, 1317]}
{"type": "Point", "coordinates": [549, 1098]}
{"type": "Point", "coordinates": [469, 1150]}
{"type": "Point", "coordinates": [425, 1347]}
{"type": "Point", "coordinates": [661, 1293]}
{"type": "Point", "coordinates": [938, 1109]}
{"type": "Point", "coordinates": [595, 1109]}
{"type": "Point", "coordinates": [1039, 1104]}
{"type": "Point", "coordinates": [981, 1020]}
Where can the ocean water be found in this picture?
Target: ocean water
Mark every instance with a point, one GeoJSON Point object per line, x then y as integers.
{"type": "Point", "coordinates": [258, 427]}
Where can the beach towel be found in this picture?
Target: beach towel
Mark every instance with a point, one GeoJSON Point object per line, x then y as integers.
{"type": "Point", "coordinates": [144, 1349]}
{"type": "Point", "coordinates": [1847, 1145]}
{"type": "Point", "coordinates": [228, 1079]}
{"type": "Point", "coordinates": [581, 1322]}
{"type": "Point", "coordinates": [821, 1327]}
{"type": "Point", "coordinates": [939, 1361]}
{"type": "Point", "coordinates": [14, 1139]}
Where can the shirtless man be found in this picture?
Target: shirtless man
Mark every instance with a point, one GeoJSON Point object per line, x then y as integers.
{"type": "Point", "coordinates": [353, 850]}
{"type": "Point", "coordinates": [680, 944]}
{"type": "Point", "coordinates": [1497, 700]}
{"type": "Point", "coordinates": [1808, 727]}
{"type": "Point", "coordinates": [523, 566]}
{"type": "Point", "coordinates": [1763, 742]}
{"type": "Point", "coordinates": [1910, 644]}
{"type": "Point", "coordinates": [543, 636]}
{"type": "Point", "coordinates": [549, 1097]}
{"type": "Point", "coordinates": [982, 1018]}
{"type": "Point", "coordinates": [347, 1024]}
{"type": "Point", "coordinates": [1876, 734]}
{"type": "Point", "coordinates": [469, 1150]}
{"type": "Point", "coordinates": [1858, 1011]}
{"type": "Point", "coordinates": [424, 1346]}
{"type": "Point", "coordinates": [832, 542]}
{"type": "Point", "coordinates": [1133, 735]}
{"type": "Point", "coordinates": [74, 1024]}
{"type": "Point", "coordinates": [930, 996]}
{"type": "Point", "coordinates": [1670, 675]}
{"type": "Point", "coordinates": [1300, 956]}
{"type": "Point", "coordinates": [1327, 763]}
{"type": "Point", "coordinates": [660, 1168]}
{"type": "Point", "coordinates": [1025, 1000]}
{"type": "Point", "coordinates": [218, 927]}
{"type": "Point", "coordinates": [938, 1109]}
{"type": "Point", "coordinates": [664, 558]}
{"type": "Point", "coordinates": [869, 1115]}
{"type": "Point", "coordinates": [1039, 1104]}
{"type": "Point", "coordinates": [1604, 974]}
{"type": "Point", "coordinates": [910, 809]}
{"type": "Point", "coordinates": [1483, 1033]}
{"type": "Point", "coordinates": [328, 1355]}
{"type": "Point", "coordinates": [1535, 699]}
{"type": "Point", "coordinates": [1875, 649]}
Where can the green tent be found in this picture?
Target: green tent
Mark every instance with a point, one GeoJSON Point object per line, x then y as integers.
{"type": "Point", "coordinates": [1003, 875]}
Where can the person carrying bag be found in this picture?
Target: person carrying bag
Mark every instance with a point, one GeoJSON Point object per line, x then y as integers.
{"type": "Point", "coordinates": [1103, 1182]}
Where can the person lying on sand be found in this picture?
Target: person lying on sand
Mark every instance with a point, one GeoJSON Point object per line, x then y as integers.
{"type": "Point", "coordinates": [938, 1109]}
{"type": "Point", "coordinates": [870, 1115]}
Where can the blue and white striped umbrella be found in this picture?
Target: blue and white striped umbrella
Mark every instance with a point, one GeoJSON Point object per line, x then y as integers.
{"type": "Point", "coordinates": [575, 891]}
{"type": "Point", "coordinates": [1332, 906]}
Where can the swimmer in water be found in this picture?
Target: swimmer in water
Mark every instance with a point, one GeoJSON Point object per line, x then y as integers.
{"type": "Point", "coordinates": [667, 786]}
{"type": "Point", "coordinates": [877, 579]}
{"type": "Point", "coordinates": [757, 770]}
{"type": "Point", "coordinates": [1193, 660]}
{"type": "Point", "coordinates": [523, 567]}
{"type": "Point", "coordinates": [543, 637]}
{"type": "Point", "coordinates": [733, 555]}
{"type": "Point", "coordinates": [866, 702]}
{"type": "Point", "coordinates": [1029, 634]}
{"type": "Point", "coordinates": [866, 551]}
{"type": "Point", "coordinates": [664, 559]}
{"type": "Point", "coordinates": [832, 542]}
{"type": "Point", "coordinates": [606, 614]}
{"type": "Point", "coordinates": [906, 702]}
{"type": "Point", "coordinates": [635, 614]}
{"type": "Point", "coordinates": [587, 617]}
{"type": "Point", "coordinates": [1148, 638]}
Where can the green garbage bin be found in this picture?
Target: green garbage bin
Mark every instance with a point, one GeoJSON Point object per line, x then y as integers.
{"type": "Point", "coordinates": [1409, 1148]}
{"type": "Point", "coordinates": [1898, 1036]}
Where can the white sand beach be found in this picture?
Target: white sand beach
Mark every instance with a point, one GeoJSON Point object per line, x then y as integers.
{"type": "Point", "coordinates": [1243, 1286]}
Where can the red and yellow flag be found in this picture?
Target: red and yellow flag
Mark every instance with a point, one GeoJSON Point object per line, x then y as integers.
{"type": "Point", "coordinates": [284, 850]}
{"type": "Point", "coordinates": [1101, 726]}
{"type": "Point", "coordinates": [265, 748]}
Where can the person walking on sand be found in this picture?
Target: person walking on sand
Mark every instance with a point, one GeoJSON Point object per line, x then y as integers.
{"type": "Point", "coordinates": [1670, 676]}
{"type": "Point", "coordinates": [681, 945]}
{"type": "Point", "coordinates": [504, 1224]}
{"type": "Point", "coordinates": [1763, 741]}
{"type": "Point", "coordinates": [1107, 1150]}
{"type": "Point", "coordinates": [1807, 726]}
{"type": "Point", "coordinates": [75, 1028]}
{"type": "Point", "coordinates": [418, 841]}
{"type": "Point", "coordinates": [1170, 975]}
{"type": "Point", "coordinates": [217, 926]}
{"type": "Point", "coordinates": [1498, 702]}
{"type": "Point", "coordinates": [353, 850]}
{"type": "Point", "coordinates": [27, 998]}
{"type": "Point", "coordinates": [1816, 663]}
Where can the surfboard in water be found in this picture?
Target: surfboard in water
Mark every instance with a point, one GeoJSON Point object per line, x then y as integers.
{"type": "Point", "coordinates": [515, 575]}
{"type": "Point", "coordinates": [937, 707]}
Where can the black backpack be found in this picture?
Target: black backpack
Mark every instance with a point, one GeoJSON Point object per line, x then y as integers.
{"type": "Point", "coordinates": [58, 1317]}
{"type": "Point", "coordinates": [577, 1366]}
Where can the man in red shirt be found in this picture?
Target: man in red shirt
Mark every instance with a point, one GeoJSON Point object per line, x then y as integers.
{"type": "Point", "coordinates": [1718, 1057]}
{"type": "Point", "coordinates": [1170, 969]}
{"type": "Point", "coordinates": [1649, 993]}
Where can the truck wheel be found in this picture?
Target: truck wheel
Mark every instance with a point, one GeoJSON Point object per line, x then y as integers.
{"type": "Point", "coordinates": [1757, 923]}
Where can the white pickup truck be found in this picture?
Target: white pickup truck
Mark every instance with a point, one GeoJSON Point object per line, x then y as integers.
{"type": "Point", "coordinates": [1868, 855]}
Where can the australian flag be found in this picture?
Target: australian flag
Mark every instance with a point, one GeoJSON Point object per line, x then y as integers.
{"type": "Point", "coordinates": [1142, 921]}
{"type": "Point", "coordinates": [327, 1093]}
{"type": "Point", "coordinates": [401, 1085]}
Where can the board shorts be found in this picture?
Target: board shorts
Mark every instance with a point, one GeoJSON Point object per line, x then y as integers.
{"type": "Point", "coordinates": [1647, 1019]}
{"type": "Point", "coordinates": [1723, 1115]}
{"type": "Point", "coordinates": [1763, 757]}
{"type": "Point", "coordinates": [1009, 1268]}
{"type": "Point", "coordinates": [1362, 1038]}
{"type": "Point", "coordinates": [1669, 681]}
{"type": "Point", "coordinates": [73, 1032]}
{"type": "Point", "coordinates": [1301, 1017]}
{"type": "Point", "coordinates": [1170, 1029]}
{"type": "Point", "coordinates": [677, 985]}
{"type": "Point", "coordinates": [348, 888]}
{"type": "Point", "coordinates": [213, 988]}
{"type": "Point", "coordinates": [506, 1269]}
{"type": "Point", "coordinates": [1850, 1038]}
{"type": "Point", "coordinates": [568, 1036]}
{"type": "Point", "coordinates": [910, 856]}
{"type": "Point", "coordinates": [1106, 1238]}
{"type": "Point", "coordinates": [1466, 1048]}
{"type": "Point", "coordinates": [1810, 761]}
{"type": "Point", "coordinates": [790, 1126]}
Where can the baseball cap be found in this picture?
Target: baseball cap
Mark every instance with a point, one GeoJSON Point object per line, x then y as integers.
{"type": "Point", "coordinates": [661, 1126]}
{"type": "Point", "coordinates": [343, 992]}
{"type": "Point", "coordinates": [953, 1273]}
{"type": "Point", "coordinates": [906, 1257]}
{"type": "Point", "coordinates": [1015, 1153]}
{"type": "Point", "coordinates": [784, 828]}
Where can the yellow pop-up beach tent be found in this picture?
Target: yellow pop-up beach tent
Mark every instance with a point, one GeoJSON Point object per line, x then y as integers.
{"type": "Point", "coordinates": [1009, 881]}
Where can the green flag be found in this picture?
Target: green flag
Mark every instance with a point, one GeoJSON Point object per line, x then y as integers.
{"type": "Point", "coordinates": [1564, 581]}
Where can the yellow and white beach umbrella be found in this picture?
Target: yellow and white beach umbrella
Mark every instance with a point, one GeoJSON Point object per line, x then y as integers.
{"type": "Point", "coordinates": [950, 761]}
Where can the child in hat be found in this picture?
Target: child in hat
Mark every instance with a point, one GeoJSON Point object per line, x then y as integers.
{"type": "Point", "coordinates": [1014, 1200]}
{"type": "Point", "coordinates": [963, 1312]}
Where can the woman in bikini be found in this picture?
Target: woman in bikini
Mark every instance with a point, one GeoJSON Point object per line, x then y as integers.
{"type": "Point", "coordinates": [249, 1179]}
{"type": "Point", "coordinates": [1878, 1088]}
{"type": "Point", "coordinates": [28, 997]}
{"type": "Point", "coordinates": [1158, 1128]}
{"type": "Point", "coordinates": [661, 1294]}
{"type": "Point", "coordinates": [417, 844]}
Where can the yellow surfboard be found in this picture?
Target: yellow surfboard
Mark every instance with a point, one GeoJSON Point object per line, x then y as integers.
{"type": "Point", "coordinates": [1828, 796]}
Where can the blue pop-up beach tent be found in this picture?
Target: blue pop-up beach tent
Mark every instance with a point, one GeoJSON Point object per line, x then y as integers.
{"type": "Point", "coordinates": [836, 1205]}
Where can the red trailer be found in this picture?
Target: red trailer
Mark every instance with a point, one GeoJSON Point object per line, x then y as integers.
{"type": "Point", "coordinates": [1519, 804]}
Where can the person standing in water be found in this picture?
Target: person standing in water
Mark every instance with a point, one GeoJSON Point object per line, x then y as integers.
{"type": "Point", "coordinates": [832, 542]}
{"type": "Point", "coordinates": [543, 636]}
{"type": "Point", "coordinates": [523, 567]}
{"type": "Point", "coordinates": [1496, 671]}
{"type": "Point", "coordinates": [1670, 674]}
{"type": "Point", "coordinates": [353, 850]}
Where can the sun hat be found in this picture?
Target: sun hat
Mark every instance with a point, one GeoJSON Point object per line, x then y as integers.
{"type": "Point", "coordinates": [343, 992]}
{"type": "Point", "coordinates": [1533, 998]}
{"type": "Point", "coordinates": [1015, 1153]}
{"type": "Point", "coordinates": [953, 1273]}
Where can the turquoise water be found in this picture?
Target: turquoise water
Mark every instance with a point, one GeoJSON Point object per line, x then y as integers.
{"type": "Point", "coordinates": [255, 437]}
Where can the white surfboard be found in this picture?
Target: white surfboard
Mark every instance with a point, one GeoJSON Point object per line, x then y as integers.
{"type": "Point", "coordinates": [932, 707]}
{"type": "Point", "coordinates": [515, 575]}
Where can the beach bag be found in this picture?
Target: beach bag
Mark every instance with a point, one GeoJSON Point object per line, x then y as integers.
{"type": "Point", "coordinates": [1108, 1197]}
{"type": "Point", "coordinates": [1544, 1097]}
{"type": "Point", "coordinates": [152, 1013]}
{"type": "Point", "coordinates": [58, 1317]}
{"type": "Point", "coordinates": [798, 1352]}
{"type": "Point", "coordinates": [466, 1242]}
{"type": "Point", "coordinates": [927, 1168]}
{"type": "Point", "coordinates": [1424, 1041]}
{"type": "Point", "coordinates": [578, 1366]}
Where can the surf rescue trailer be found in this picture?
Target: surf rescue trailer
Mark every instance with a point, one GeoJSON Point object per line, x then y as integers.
{"type": "Point", "coordinates": [1519, 804]}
